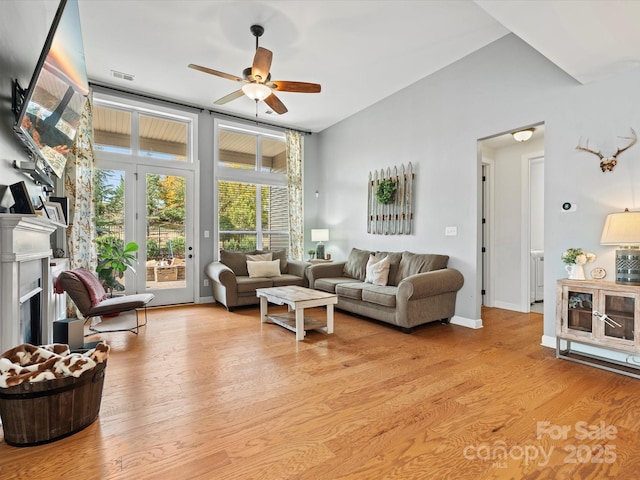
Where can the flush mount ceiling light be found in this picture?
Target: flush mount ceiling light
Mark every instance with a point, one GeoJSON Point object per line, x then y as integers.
{"type": "Point", "coordinates": [523, 135]}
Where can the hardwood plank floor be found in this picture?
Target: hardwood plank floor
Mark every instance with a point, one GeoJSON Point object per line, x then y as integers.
{"type": "Point", "coordinates": [203, 393]}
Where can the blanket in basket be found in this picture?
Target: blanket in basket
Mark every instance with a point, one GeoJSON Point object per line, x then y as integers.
{"type": "Point", "coordinates": [29, 363]}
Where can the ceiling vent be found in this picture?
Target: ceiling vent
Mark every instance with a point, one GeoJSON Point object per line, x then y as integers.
{"type": "Point", "coordinates": [122, 76]}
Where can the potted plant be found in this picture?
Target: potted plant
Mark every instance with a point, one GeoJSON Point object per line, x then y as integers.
{"type": "Point", "coordinates": [311, 253]}
{"type": "Point", "coordinates": [113, 260]}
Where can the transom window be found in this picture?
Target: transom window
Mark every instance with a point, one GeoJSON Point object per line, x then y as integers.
{"type": "Point", "coordinates": [129, 131]}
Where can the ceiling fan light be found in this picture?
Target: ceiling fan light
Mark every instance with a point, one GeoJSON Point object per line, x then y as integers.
{"type": "Point", "coordinates": [523, 135]}
{"type": "Point", "coordinates": [256, 91]}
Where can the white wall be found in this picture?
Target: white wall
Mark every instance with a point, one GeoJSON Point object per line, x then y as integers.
{"type": "Point", "coordinates": [436, 123]}
{"type": "Point", "coordinates": [510, 240]}
{"type": "Point", "coordinates": [19, 53]}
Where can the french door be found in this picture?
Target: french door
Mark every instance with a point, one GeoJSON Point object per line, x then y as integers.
{"type": "Point", "coordinates": [154, 207]}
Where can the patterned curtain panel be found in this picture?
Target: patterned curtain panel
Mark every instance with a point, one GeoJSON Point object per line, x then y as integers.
{"type": "Point", "coordinates": [294, 186]}
{"type": "Point", "coordinates": [78, 187]}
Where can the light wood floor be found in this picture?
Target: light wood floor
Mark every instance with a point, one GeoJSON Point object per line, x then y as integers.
{"type": "Point", "coordinates": [202, 393]}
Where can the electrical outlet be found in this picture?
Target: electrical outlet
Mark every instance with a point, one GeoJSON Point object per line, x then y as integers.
{"type": "Point", "coordinates": [206, 282]}
{"type": "Point", "coordinates": [451, 231]}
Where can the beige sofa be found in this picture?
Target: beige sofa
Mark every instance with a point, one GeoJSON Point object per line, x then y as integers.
{"type": "Point", "coordinates": [420, 287]}
{"type": "Point", "coordinates": [233, 286]}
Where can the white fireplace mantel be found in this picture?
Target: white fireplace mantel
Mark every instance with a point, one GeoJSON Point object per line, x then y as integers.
{"type": "Point", "coordinates": [23, 238]}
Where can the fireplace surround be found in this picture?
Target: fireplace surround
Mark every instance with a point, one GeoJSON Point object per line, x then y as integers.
{"type": "Point", "coordinates": [25, 280]}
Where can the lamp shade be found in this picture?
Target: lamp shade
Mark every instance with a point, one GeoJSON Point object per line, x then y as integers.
{"type": "Point", "coordinates": [319, 235]}
{"type": "Point", "coordinates": [621, 229]}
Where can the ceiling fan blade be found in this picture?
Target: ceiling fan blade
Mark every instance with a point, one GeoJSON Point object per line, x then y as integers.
{"type": "Point", "coordinates": [228, 98]}
{"type": "Point", "coordinates": [275, 103]}
{"type": "Point", "coordinates": [298, 87]}
{"type": "Point", "coordinates": [261, 64]}
{"type": "Point", "coordinates": [215, 72]}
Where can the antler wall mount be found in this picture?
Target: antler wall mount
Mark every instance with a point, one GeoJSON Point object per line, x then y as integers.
{"type": "Point", "coordinates": [607, 164]}
{"type": "Point", "coordinates": [257, 79]}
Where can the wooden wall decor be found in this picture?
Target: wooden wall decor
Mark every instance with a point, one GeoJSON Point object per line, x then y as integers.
{"type": "Point", "coordinates": [394, 218]}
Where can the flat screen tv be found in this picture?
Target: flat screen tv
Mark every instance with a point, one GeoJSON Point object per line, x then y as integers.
{"type": "Point", "coordinates": [48, 111]}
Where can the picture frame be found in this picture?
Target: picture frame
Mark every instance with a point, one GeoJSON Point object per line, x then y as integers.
{"type": "Point", "coordinates": [54, 211]}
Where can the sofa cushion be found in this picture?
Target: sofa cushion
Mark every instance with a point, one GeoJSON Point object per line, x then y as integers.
{"type": "Point", "coordinates": [260, 257]}
{"type": "Point", "coordinates": [377, 270]}
{"type": "Point", "coordinates": [350, 290]}
{"type": "Point", "coordinates": [380, 295]}
{"type": "Point", "coordinates": [248, 285]}
{"type": "Point", "coordinates": [287, 279]}
{"type": "Point", "coordinates": [356, 264]}
{"type": "Point", "coordinates": [264, 269]}
{"type": "Point", "coordinates": [236, 261]}
{"type": "Point", "coordinates": [413, 263]}
{"type": "Point", "coordinates": [394, 264]}
{"type": "Point", "coordinates": [329, 284]}
{"type": "Point", "coordinates": [278, 255]}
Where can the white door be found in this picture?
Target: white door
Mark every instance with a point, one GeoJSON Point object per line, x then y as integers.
{"type": "Point", "coordinates": [165, 230]}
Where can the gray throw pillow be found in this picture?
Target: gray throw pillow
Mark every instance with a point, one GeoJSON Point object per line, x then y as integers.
{"type": "Point", "coordinates": [236, 261]}
{"type": "Point", "coordinates": [413, 263]}
{"type": "Point", "coordinates": [356, 264]}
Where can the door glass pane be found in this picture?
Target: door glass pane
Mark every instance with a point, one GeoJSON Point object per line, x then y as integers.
{"type": "Point", "coordinates": [109, 198]}
{"type": "Point", "coordinates": [112, 130]}
{"type": "Point", "coordinates": [620, 311]}
{"type": "Point", "coordinates": [165, 265]}
{"type": "Point", "coordinates": [163, 138]}
{"type": "Point", "coordinates": [237, 150]}
{"type": "Point", "coordinates": [580, 311]}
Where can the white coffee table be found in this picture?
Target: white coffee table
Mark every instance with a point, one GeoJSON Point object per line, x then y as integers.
{"type": "Point", "coordinates": [297, 299]}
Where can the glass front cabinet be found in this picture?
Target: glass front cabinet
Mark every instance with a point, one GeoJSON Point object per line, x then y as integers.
{"type": "Point", "coordinates": [602, 314]}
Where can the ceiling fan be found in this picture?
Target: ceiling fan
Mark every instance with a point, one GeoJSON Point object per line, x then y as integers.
{"type": "Point", "coordinates": [257, 79]}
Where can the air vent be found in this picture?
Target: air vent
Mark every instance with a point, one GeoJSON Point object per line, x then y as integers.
{"type": "Point", "coordinates": [122, 76]}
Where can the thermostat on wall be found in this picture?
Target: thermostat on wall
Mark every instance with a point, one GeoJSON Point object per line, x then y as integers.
{"type": "Point", "coordinates": [569, 207]}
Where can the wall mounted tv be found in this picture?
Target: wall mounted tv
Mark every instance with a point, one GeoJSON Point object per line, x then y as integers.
{"type": "Point", "coordinates": [48, 111]}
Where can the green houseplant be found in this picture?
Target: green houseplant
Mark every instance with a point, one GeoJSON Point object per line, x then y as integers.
{"type": "Point", "coordinates": [386, 191]}
{"type": "Point", "coordinates": [114, 259]}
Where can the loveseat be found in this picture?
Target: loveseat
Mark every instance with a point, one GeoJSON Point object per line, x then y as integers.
{"type": "Point", "coordinates": [235, 278]}
{"type": "Point", "coordinates": [416, 288]}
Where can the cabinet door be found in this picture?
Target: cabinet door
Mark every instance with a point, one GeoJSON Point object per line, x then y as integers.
{"type": "Point", "coordinates": [577, 313]}
{"type": "Point", "coordinates": [618, 328]}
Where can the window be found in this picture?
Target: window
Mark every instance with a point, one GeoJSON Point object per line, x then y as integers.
{"type": "Point", "coordinates": [251, 189]}
{"type": "Point", "coordinates": [125, 130]}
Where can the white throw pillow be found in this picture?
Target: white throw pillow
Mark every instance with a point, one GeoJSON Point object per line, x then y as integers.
{"type": "Point", "coordinates": [261, 257]}
{"type": "Point", "coordinates": [264, 269]}
{"type": "Point", "coordinates": [377, 271]}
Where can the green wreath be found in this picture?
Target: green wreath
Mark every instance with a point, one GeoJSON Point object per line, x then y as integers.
{"type": "Point", "coordinates": [386, 191]}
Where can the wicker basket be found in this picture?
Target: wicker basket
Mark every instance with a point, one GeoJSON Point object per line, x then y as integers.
{"type": "Point", "coordinates": [41, 412]}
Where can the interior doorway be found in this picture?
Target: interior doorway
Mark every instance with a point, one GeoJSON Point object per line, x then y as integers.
{"type": "Point", "coordinates": [512, 221]}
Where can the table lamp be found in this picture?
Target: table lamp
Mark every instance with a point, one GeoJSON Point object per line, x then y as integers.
{"type": "Point", "coordinates": [319, 235]}
{"type": "Point", "coordinates": [623, 229]}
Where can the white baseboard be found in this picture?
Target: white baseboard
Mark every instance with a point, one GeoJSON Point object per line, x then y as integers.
{"type": "Point", "coordinates": [466, 322]}
{"type": "Point", "coordinates": [548, 341]}
{"type": "Point", "coordinates": [509, 306]}
{"type": "Point", "coordinates": [206, 300]}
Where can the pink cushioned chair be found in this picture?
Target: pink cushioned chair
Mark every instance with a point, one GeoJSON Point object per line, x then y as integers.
{"type": "Point", "coordinates": [91, 299]}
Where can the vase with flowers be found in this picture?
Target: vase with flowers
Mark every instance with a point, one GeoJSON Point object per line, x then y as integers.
{"type": "Point", "coordinates": [575, 258]}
